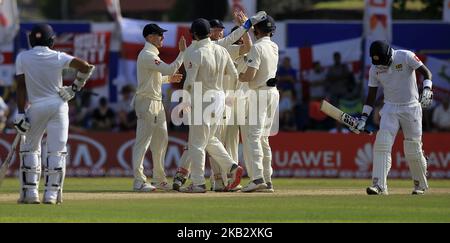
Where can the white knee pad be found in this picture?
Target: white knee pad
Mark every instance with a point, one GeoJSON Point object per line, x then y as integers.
{"type": "Point", "coordinates": [55, 173]}
{"type": "Point", "coordinates": [417, 162]}
{"type": "Point", "coordinates": [382, 160]}
{"type": "Point", "coordinates": [30, 173]}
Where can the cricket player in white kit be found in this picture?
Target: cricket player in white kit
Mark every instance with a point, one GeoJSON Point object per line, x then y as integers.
{"type": "Point", "coordinates": [207, 66]}
{"type": "Point", "coordinates": [151, 129]}
{"type": "Point", "coordinates": [228, 134]}
{"type": "Point", "coordinates": [262, 64]}
{"type": "Point", "coordinates": [227, 42]}
{"type": "Point", "coordinates": [39, 77]}
{"type": "Point", "coordinates": [394, 71]}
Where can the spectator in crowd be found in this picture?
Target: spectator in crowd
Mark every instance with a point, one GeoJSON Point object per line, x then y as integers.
{"type": "Point", "coordinates": [316, 82]}
{"type": "Point", "coordinates": [441, 116]}
{"type": "Point", "coordinates": [103, 117]}
{"type": "Point", "coordinates": [4, 111]}
{"type": "Point", "coordinates": [286, 110]}
{"type": "Point", "coordinates": [80, 117]}
{"type": "Point", "coordinates": [350, 101]}
{"type": "Point", "coordinates": [316, 79]}
{"type": "Point", "coordinates": [12, 107]}
{"type": "Point", "coordinates": [126, 116]}
{"type": "Point", "coordinates": [286, 75]}
{"type": "Point", "coordinates": [74, 125]}
{"type": "Point", "coordinates": [337, 79]}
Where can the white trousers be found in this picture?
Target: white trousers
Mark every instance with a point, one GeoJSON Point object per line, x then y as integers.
{"type": "Point", "coordinates": [260, 154]}
{"type": "Point", "coordinates": [52, 117]}
{"type": "Point", "coordinates": [409, 119]}
{"type": "Point", "coordinates": [151, 131]}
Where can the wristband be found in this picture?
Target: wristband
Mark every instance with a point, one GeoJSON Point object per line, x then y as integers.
{"type": "Point", "coordinates": [367, 109]}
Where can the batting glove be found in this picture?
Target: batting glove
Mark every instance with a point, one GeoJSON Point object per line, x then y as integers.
{"type": "Point", "coordinates": [82, 78]}
{"type": "Point", "coordinates": [260, 16]}
{"type": "Point", "coordinates": [361, 123]}
{"type": "Point", "coordinates": [67, 92]}
{"type": "Point", "coordinates": [21, 123]}
{"type": "Point", "coordinates": [427, 97]}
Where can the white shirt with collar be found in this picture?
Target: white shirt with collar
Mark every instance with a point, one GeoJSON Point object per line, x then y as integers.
{"type": "Point", "coordinates": [399, 79]}
{"type": "Point", "coordinates": [263, 56]}
{"type": "Point", "coordinates": [42, 68]}
{"type": "Point", "coordinates": [152, 72]}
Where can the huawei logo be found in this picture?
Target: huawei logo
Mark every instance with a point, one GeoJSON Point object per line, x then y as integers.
{"type": "Point", "coordinates": [364, 157]}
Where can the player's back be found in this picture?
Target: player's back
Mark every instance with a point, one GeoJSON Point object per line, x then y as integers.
{"type": "Point", "coordinates": [213, 62]}
{"type": "Point", "coordinates": [266, 52]}
{"type": "Point", "coordinates": [42, 68]}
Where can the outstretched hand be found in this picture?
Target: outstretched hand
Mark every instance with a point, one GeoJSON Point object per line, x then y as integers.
{"type": "Point", "coordinates": [182, 44]}
{"type": "Point", "coordinates": [176, 78]}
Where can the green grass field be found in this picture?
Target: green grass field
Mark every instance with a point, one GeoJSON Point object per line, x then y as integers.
{"type": "Point", "coordinates": [295, 200]}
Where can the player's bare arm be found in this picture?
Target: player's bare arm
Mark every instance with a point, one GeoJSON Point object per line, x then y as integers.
{"type": "Point", "coordinates": [427, 94]}
{"type": "Point", "coordinates": [248, 76]}
{"type": "Point", "coordinates": [21, 122]}
{"type": "Point", "coordinates": [21, 93]}
{"type": "Point", "coordinates": [246, 45]}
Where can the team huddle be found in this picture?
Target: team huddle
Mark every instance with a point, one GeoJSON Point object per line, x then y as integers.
{"type": "Point", "coordinates": [216, 103]}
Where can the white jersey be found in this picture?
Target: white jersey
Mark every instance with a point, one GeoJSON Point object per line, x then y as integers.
{"type": "Point", "coordinates": [42, 68]}
{"type": "Point", "coordinates": [399, 79]}
{"type": "Point", "coordinates": [208, 64]}
{"type": "Point", "coordinates": [152, 72]}
{"type": "Point", "coordinates": [187, 62]}
{"type": "Point", "coordinates": [263, 56]}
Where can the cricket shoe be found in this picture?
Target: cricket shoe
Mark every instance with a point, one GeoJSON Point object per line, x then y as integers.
{"type": "Point", "coordinates": [194, 189]}
{"type": "Point", "coordinates": [143, 187]}
{"type": "Point", "coordinates": [218, 185]}
{"type": "Point", "coordinates": [180, 178]}
{"type": "Point", "coordinates": [52, 197]}
{"type": "Point", "coordinates": [237, 188]}
{"type": "Point", "coordinates": [50, 201]}
{"type": "Point", "coordinates": [236, 174]}
{"type": "Point", "coordinates": [375, 190]}
{"type": "Point", "coordinates": [29, 200]}
{"type": "Point", "coordinates": [418, 191]}
{"type": "Point", "coordinates": [164, 186]}
{"type": "Point", "coordinates": [268, 189]}
{"type": "Point", "coordinates": [255, 185]}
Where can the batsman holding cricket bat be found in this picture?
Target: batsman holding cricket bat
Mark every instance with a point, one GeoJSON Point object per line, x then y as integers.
{"type": "Point", "coordinates": [394, 71]}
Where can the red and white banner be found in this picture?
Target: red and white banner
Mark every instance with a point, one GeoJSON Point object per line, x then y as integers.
{"type": "Point", "coordinates": [446, 11]}
{"type": "Point", "coordinates": [303, 58]}
{"type": "Point", "coordinates": [7, 70]}
{"type": "Point", "coordinates": [246, 6]}
{"type": "Point", "coordinates": [93, 47]}
{"type": "Point", "coordinates": [133, 42]}
{"type": "Point", "coordinates": [9, 21]}
{"type": "Point", "coordinates": [294, 155]}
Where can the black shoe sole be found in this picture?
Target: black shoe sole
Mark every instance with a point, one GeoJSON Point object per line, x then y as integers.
{"type": "Point", "coordinates": [370, 192]}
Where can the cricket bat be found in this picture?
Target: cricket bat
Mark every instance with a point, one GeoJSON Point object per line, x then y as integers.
{"type": "Point", "coordinates": [340, 116]}
{"type": "Point", "coordinates": [6, 162]}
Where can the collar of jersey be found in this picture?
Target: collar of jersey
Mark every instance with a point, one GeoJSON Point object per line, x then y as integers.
{"type": "Point", "coordinates": [265, 38]}
{"type": "Point", "coordinates": [41, 48]}
{"type": "Point", "coordinates": [204, 42]}
{"type": "Point", "coordinates": [152, 48]}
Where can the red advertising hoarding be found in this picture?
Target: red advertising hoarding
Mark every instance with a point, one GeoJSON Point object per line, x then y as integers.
{"type": "Point", "coordinates": [294, 155]}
